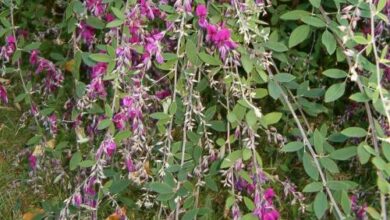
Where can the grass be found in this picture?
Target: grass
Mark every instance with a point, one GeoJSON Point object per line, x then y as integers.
{"type": "Point", "coordinates": [16, 193]}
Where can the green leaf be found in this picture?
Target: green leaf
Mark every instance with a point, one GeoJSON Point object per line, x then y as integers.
{"type": "Point", "coordinates": [122, 135]}
{"type": "Point", "coordinates": [335, 73]}
{"type": "Point", "coordinates": [270, 118]}
{"type": "Point", "coordinates": [345, 202]}
{"type": "Point", "coordinates": [338, 185]}
{"type": "Point", "coordinates": [298, 35]}
{"type": "Point", "coordinates": [318, 141]}
{"type": "Point", "coordinates": [354, 132]}
{"type": "Point", "coordinates": [310, 168]}
{"type": "Point", "coordinates": [360, 39]}
{"type": "Point", "coordinates": [329, 42]}
{"type": "Point", "coordinates": [190, 215]}
{"type": "Point", "coordinates": [231, 159]}
{"type": "Point", "coordinates": [313, 21]}
{"type": "Point", "coordinates": [329, 165]}
{"type": "Point", "coordinates": [160, 116]}
{"type": "Point", "coordinates": [363, 155]}
{"type": "Point", "coordinates": [99, 57]}
{"type": "Point", "coordinates": [249, 203]}
{"type": "Point", "coordinates": [120, 185]}
{"type": "Point", "coordinates": [75, 160]}
{"type": "Point", "coordinates": [209, 59]}
{"type": "Point", "coordinates": [386, 150]}
{"type": "Point", "coordinates": [260, 93]}
{"type": "Point", "coordinates": [315, 3]}
{"type": "Point", "coordinates": [359, 97]}
{"type": "Point", "coordinates": [34, 140]}
{"type": "Point", "coordinates": [276, 46]}
{"type": "Point", "coordinates": [114, 23]}
{"type": "Point", "coordinates": [334, 92]}
{"type": "Point", "coordinates": [293, 146]}
{"type": "Point", "coordinates": [274, 90]}
{"type": "Point", "coordinates": [344, 153]}
{"type": "Point", "coordinates": [373, 213]}
{"type": "Point", "coordinates": [104, 124]}
{"type": "Point", "coordinates": [313, 187]}
{"type": "Point", "coordinates": [284, 77]}
{"type": "Point", "coordinates": [218, 125]}
{"type": "Point", "coordinates": [32, 46]}
{"type": "Point", "coordinates": [320, 204]}
{"type": "Point", "coordinates": [118, 13]}
{"type": "Point", "coordinates": [87, 163]}
{"type": "Point", "coordinates": [247, 63]}
{"type": "Point", "coordinates": [294, 15]}
{"type": "Point", "coordinates": [95, 22]}
{"type": "Point", "coordinates": [191, 52]}
{"type": "Point", "coordinates": [160, 187]}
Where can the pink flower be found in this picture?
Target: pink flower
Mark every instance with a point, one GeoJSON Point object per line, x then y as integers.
{"type": "Point", "coordinates": [96, 89]}
{"type": "Point", "coordinates": [119, 120]}
{"type": "Point", "coordinates": [98, 70]}
{"type": "Point", "coordinates": [86, 33]}
{"type": "Point", "coordinates": [52, 122]}
{"type": "Point", "coordinates": [153, 47]}
{"type": "Point", "coordinates": [89, 188]}
{"type": "Point", "coordinates": [108, 146]}
{"type": "Point", "coordinates": [96, 7]}
{"type": "Point", "coordinates": [34, 57]}
{"type": "Point", "coordinates": [127, 101]}
{"type": "Point", "coordinates": [3, 94]}
{"type": "Point", "coordinates": [162, 94]}
{"type": "Point", "coordinates": [201, 11]}
{"type": "Point", "coordinates": [269, 195]}
{"type": "Point", "coordinates": [32, 161]}
{"type": "Point", "coordinates": [77, 199]}
{"type": "Point", "coordinates": [7, 50]}
{"type": "Point", "coordinates": [129, 164]}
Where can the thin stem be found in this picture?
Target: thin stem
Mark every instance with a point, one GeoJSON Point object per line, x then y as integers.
{"type": "Point", "coordinates": [19, 70]}
{"type": "Point", "coordinates": [368, 110]}
{"type": "Point", "coordinates": [310, 147]}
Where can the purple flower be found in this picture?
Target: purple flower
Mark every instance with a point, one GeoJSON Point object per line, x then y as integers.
{"type": "Point", "coordinates": [89, 187]}
{"type": "Point", "coordinates": [86, 33]}
{"type": "Point", "coordinates": [54, 76]}
{"type": "Point", "coordinates": [108, 146]}
{"type": "Point", "coordinates": [3, 94]}
{"type": "Point", "coordinates": [34, 57]}
{"type": "Point", "coordinates": [127, 101]}
{"type": "Point", "coordinates": [77, 199]}
{"type": "Point", "coordinates": [7, 50]}
{"type": "Point", "coordinates": [52, 122]}
{"type": "Point", "coordinates": [162, 94]}
{"type": "Point", "coordinates": [153, 47]}
{"type": "Point", "coordinates": [264, 208]}
{"type": "Point", "coordinates": [236, 212]}
{"type": "Point", "coordinates": [201, 11]}
{"type": "Point", "coordinates": [96, 89]}
{"type": "Point", "coordinates": [98, 70]}
{"type": "Point", "coordinates": [129, 164]}
{"type": "Point", "coordinates": [96, 7]}
{"type": "Point", "coordinates": [221, 38]}
{"type": "Point", "coordinates": [119, 120]}
{"type": "Point", "coordinates": [32, 161]}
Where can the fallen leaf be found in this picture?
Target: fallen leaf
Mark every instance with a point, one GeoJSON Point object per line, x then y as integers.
{"type": "Point", "coordinates": [69, 65]}
{"type": "Point", "coordinates": [118, 215]}
{"type": "Point", "coordinates": [32, 214]}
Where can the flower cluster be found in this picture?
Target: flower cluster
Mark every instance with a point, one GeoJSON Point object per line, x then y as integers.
{"type": "Point", "coordinates": [53, 76]}
{"type": "Point", "coordinates": [3, 94]}
{"type": "Point", "coordinates": [8, 49]}
{"type": "Point", "coordinates": [265, 209]}
{"type": "Point", "coordinates": [218, 35]}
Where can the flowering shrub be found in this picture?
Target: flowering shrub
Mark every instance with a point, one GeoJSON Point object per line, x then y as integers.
{"type": "Point", "coordinates": [201, 109]}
